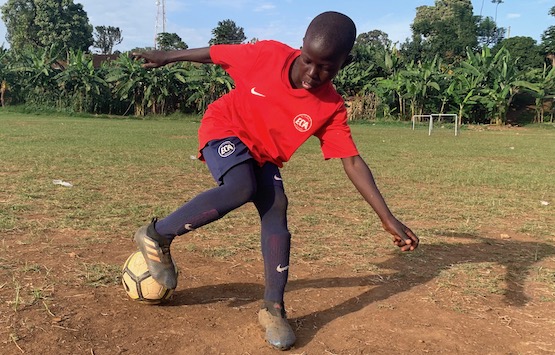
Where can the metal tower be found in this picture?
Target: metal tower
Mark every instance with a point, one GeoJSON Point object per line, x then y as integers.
{"type": "Point", "coordinates": [160, 26]}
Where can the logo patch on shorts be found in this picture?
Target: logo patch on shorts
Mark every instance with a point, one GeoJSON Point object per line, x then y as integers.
{"type": "Point", "coordinates": [302, 122]}
{"type": "Point", "coordinates": [226, 149]}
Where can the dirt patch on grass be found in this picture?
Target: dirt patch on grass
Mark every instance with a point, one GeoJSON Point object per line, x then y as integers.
{"type": "Point", "coordinates": [479, 293]}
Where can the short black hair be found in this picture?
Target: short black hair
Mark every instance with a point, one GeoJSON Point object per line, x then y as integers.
{"type": "Point", "coordinates": [334, 30]}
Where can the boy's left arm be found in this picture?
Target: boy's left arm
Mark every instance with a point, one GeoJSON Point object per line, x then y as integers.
{"type": "Point", "coordinates": [360, 175]}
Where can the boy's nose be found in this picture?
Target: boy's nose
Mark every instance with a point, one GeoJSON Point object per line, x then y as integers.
{"type": "Point", "coordinates": [312, 71]}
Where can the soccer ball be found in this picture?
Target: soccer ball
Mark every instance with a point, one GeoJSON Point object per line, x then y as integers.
{"type": "Point", "coordinates": [138, 283]}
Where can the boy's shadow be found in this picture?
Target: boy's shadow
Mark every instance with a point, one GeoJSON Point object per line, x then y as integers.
{"type": "Point", "coordinates": [412, 269]}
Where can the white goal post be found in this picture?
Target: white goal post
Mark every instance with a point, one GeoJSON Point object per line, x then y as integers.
{"type": "Point", "coordinates": [430, 117]}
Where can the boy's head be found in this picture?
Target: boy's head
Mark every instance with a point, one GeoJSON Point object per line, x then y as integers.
{"type": "Point", "coordinates": [332, 31]}
{"type": "Point", "coordinates": [326, 45]}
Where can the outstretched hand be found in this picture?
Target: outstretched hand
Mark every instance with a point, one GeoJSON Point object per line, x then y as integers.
{"type": "Point", "coordinates": [403, 236]}
{"type": "Point", "coordinates": [152, 59]}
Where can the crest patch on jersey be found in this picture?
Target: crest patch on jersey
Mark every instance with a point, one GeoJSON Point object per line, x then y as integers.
{"type": "Point", "coordinates": [302, 122]}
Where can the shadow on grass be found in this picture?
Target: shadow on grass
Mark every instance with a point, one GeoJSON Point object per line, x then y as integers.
{"type": "Point", "coordinates": [412, 269]}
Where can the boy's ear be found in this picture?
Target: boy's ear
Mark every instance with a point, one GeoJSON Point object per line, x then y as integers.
{"type": "Point", "coordinates": [347, 61]}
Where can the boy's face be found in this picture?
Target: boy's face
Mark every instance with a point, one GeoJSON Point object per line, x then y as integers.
{"type": "Point", "coordinates": [317, 65]}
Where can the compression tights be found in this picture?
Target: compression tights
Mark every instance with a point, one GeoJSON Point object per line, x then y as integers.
{"type": "Point", "coordinates": [239, 187]}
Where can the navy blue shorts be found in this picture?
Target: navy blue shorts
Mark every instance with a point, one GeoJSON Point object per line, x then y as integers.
{"type": "Point", "coordinates": [223, 154]}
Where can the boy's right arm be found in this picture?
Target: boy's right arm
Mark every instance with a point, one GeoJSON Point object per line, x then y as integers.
{"type": "Point", "coordinates": [360, 175]}
{"type": "Point", "coordinates": [156, 58]}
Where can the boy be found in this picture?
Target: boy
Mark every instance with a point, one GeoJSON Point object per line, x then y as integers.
{"type": "Point", "coordinates": [282, 96]}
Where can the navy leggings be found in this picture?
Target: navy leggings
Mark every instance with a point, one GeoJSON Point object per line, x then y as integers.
{"type": "Point", "coordinates": [244, 183]}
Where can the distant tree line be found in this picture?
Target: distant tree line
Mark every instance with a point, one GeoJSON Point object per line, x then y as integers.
{"type": "Point", "coordinates": [455, 62]}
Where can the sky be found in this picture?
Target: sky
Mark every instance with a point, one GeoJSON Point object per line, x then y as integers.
{"type": "Point", "coordinates": [286, 20]}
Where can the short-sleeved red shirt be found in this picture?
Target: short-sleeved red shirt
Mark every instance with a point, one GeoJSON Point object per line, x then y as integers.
{"type": "Point", "coordinates": [266, 113]}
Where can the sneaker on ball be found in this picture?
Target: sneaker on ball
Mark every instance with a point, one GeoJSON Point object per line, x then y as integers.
{"type": "Point", "coordinates": [156, 251]}
{"type": "Point", "coordinates": [279, 333]}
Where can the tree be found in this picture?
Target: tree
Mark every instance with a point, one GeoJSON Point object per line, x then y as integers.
{"type": "Point", "coordinates": [6, 74]}
{"type": "Point", "coordinates": [548, 40]}
{"type": "Point", "coordinates": [500, 81]}
{"type": "Point", "coordinates": [375, 38]}
{"type": "Point", "coordinates": [227, 32]}
{"type": "Point", "coordinates": [508, 81]}
{"type": "Point", "coordinates": [170, 41]}
{"type": "Point", "coordinates": [45, 23]}
{"type": "Point", "coordinates": [488, 32]}
{"type": "Point", "coordinates": [106, 37]}
{"type": "Point", "coordinates": [466, 80]}
{"type": "Point", "coordinates": [36, 74]}
{"type": "Point", "coordinates": [544, 79]}
{"type": "Point", "coordinates": [413, 50]}
{"type": "Point", "coordinates": [80, 83]}
{"type": "Point", "coordinates": [21, 30]}
{"type": "Point", "coordinates": [205, 84]}
{"type": "Point", "coordinates": [369, 52]}
{"type": "Point", "coordinates": [525, 50]}
{"type": "Point", "coordinates": [418, 79]}
{"type": "Point", "coordinates": [447, 29]}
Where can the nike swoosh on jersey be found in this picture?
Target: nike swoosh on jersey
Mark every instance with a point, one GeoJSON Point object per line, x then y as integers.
{"type": "Point", "coordinates": [254, 92]}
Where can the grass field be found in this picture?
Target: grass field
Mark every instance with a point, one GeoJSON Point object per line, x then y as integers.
{"type": "Point", "coordinates": [125, 171]}
{"type": "Point", "coordinates": [483, 187]}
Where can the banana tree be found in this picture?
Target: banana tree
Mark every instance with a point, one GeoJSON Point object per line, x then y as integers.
{"type": "Point", "coordinates": [128, 79]}
{"type": "Point", "coordinates": [36, 71]}
{"type": "Point", "coordinates": [351, 80]}
{"type": "Point", "coordinates": [206, 83]}
{"type": "Point", "coordinates": [544, 79]}
{"type": "Point", "coordinates": [444, 79]}
{"type": "Point", "coordinates": [392, 84]}
{"type": "Point", "coordinates": [164, 88]}
{"type": "Point", "coordinates": [5, 74]}
{"type": "Point", "coordinates": [505, 82]}
{"type": "Point", "coordinates": [466, 81]}
{"type": "Point", "coordinates": [80, 84]}
{"type": "Point", "coordinates": [419, 79]}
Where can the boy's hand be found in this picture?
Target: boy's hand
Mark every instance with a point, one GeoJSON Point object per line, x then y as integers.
{"type": "Point", "coordinates": [403, 237]}
{"type": "Point", "coordinates": [152, 59]}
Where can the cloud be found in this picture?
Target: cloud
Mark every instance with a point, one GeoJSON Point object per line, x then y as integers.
{"type": "Point", "coordinates": [264, 7]}
{"type": "Point", "coordinates": [513, 15]}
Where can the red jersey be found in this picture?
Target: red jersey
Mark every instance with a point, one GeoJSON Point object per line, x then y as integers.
{"type": "Point", "coordinates": [271, 117]}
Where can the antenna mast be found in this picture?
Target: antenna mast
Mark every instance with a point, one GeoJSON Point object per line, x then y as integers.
{"type": "Point", "coordinates": [160, 26]}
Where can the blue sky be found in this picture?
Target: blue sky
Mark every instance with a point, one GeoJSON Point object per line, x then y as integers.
{"type": "Point", "coordinates": [286, 20]}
